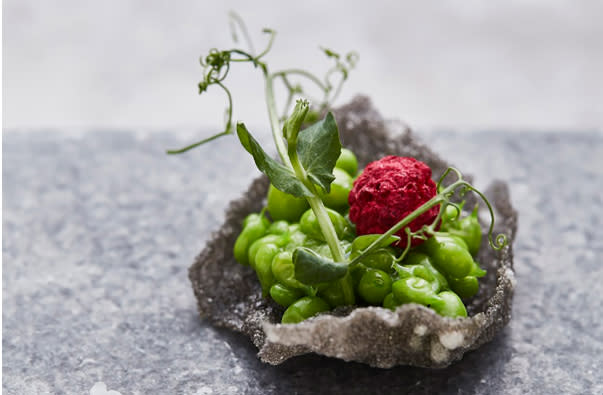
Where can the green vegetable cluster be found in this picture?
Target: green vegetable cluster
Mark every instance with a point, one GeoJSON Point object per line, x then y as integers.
{"type": "Point", "coordinates": [307, 257]}
{"type": "Point", "coordinates": [269, 247]}
{"type": "Point", "coordinates": [437, 274]}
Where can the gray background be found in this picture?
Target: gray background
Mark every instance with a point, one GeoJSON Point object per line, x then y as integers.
{"type": "Point", "coordinates": [529, 65]}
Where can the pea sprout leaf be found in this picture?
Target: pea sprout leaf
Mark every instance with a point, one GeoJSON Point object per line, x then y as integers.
{"type": "Point", "coordinates": [280, 176]}
{"type": "Point", "coordinates": [311, 268]}
{"type": "Point", "coordinates": [319, 147]}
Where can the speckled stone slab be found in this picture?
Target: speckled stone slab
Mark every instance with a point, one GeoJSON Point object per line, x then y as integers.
{"type": "Point", "coordinates": [99, 229]}
{"type": "Point", "coordinates": [412, 335]}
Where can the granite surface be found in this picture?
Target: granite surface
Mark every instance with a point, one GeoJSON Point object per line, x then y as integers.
{"type": "Point", "coordinates": [100, 229]}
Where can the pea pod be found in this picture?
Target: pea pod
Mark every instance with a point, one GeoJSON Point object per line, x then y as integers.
{"type": "Point", "coordinates": [303, 309]}
{"type": "Point", "coordinates": [465, 287]}
{"type": "Point", "coordinates": [448, 255]}
{"type": "Point", "coordinates": [415, 290]}
{"type": "Point", "coordinates": [284, 295]}
{"type": "Point", "coordinates": [254, 227]}
{"type": "Point", "coordinates": [451, 305]}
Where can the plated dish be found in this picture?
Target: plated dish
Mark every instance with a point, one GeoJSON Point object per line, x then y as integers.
{"type": "Point", "coordinates": [409, 335]}
{"type": "Point", "coordinates": [381, 266]}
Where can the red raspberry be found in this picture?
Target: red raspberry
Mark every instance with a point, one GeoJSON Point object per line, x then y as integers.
{"type": "Point", "coordinates": [387, 191]}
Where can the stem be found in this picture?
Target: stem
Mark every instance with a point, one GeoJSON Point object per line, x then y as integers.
{"type": "Point", "coordinates": [226, 131]}
{"type": "Point", "coordinates": [274, 121]}
{"type": "Point", "coordinates": [235, 18]}
{"type": "Point", "coordinates": [318, 207]}
{"type": "Point", "coordinates": [291, 159]}
{"type": "Point", "coordinates": [437, 199]}
{"type": "Point", "coordinates": [189, 147]}
{"type": "Point", "coordinates": [302, 73]}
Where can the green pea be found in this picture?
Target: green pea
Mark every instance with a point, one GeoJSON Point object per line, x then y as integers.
{"type": "Point", "coordinates": [278, 228]}
{"type": "Point", "coordinates": [450, 214]}
{"type": "Point", "coordinates": [382, 259]}
{"type": "Point", "coordinates": [468, 229]}
{"type": "Point", "coordinates": [417, 258]}
{"type": "Point", "coordinates": [284, 270]}
{"type": "Point", "coordinates": [296, 238]}
{"type": "Point", "coordinates": [360, 243]}
{"type": "Point", "coordinates": [333, 294]}
{"type": "Point", "coordinates": [465, 287]}
{"type": "Point", "coordinates": [451, 305]}
{"type": "Point", "coordinates": [405, 271]}
{"type": "Point", "coordinates": [347, 161]}
{"type": "Point", "coordinates": [414, 290]}
{"type": "Point", "coordinates": [309, 224]}
{"type": "Point", "coordinates": [283, 206]}
{"type": "Point", "coordinates": [255, 217]}
{"type": "Point", "coordinates": [279, 240]}
{"type": "Point", "coordinates": [389, 302]}
{"type": "Point", "coordinates": [324, 250]}
{"type": "Point", "coordinates": [448, 255]}
{"type": "Point", "coordinates": [254, 227]}
{"type": "Point", "coordinates": [284, 295]}
{"type": "Point", "coordinates": [356, 272]}
{"type": "Point", "coordinates": [263, 266]}
{"type": "Point", "coordinates": [374, 286]}
{"type": "Point", "coordinates": [304, 308]}
{"type": "Point", "coordinates": [337, 198]}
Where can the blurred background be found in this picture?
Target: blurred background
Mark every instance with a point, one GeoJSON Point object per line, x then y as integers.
{"type": "Point", "coordinates": [462, 65]}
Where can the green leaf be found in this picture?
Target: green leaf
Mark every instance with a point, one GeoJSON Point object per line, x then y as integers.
{"type": "Point", "coordinates": [361, 242]}
{"type": "Point", "coordinates": [280, 176]}
{"type": "Point", "coordinates": [311, 268]}
{"type": "Point", "coordinates": [319, 147]}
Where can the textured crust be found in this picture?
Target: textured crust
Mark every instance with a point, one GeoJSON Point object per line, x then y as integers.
{"type": "Point", "coordinates": [412, 335]}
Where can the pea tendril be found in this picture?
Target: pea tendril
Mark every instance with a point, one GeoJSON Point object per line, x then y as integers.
{"type": "Point", "coordinates": [216, 67]}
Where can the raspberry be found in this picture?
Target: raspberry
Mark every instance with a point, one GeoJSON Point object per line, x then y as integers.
{"type": "Point", "coordinates": [387, 191]}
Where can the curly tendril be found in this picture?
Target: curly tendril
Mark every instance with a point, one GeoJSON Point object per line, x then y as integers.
{"type": "Point", "coordinates": [216, 66]}
{"type": "Point", "coordinates": [500, 240]}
